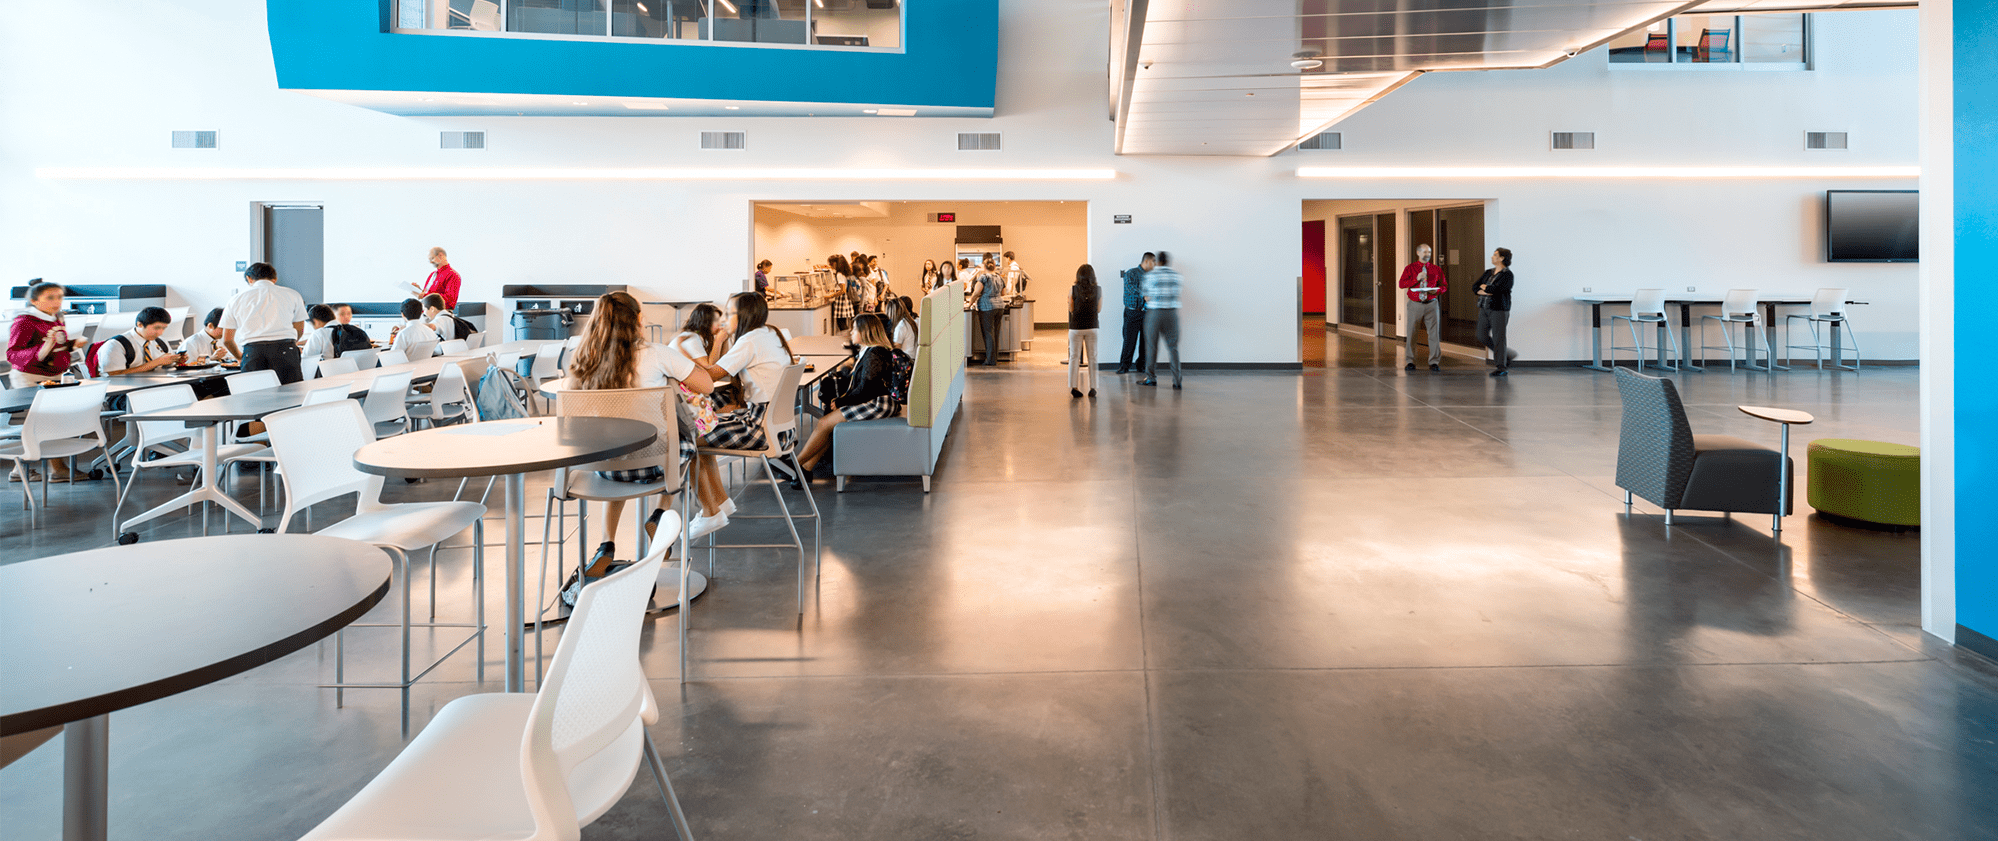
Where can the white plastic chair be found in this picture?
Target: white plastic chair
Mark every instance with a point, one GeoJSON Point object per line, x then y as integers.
{"type": "Point", "coordinates": [157, 437]}
{"type": "Point", "coordinates": [449, 398]}
{"type": "Point", "coordinates": [249, 381]}
{"type": "Point", "coordinates": [1738, 308]}
{"type": "Point", "coordinates": [327, 394]}
{"type": "Point", "coordinates": [315, 450]}
{"type": "Point", "coordinates": [536, 767]}
{"type": "Point", "coordinates": [780, 421]}
{"type": "Point", "coordinates": [309, 367]}
{"type": "Point", "coordinates": [62, 423]}
{"type": "Point", "coordinates": [475, 341]}
{"type": "Point", "coordinates": [1827, 307]}
{"type": "Point", "coordinates": [338, 366]}
{"type": "Point", "coordinates": [422, 350]}
{"type": "Point", "coordinates": [1647, 308]}
{"type": "Point", "coordinates": [453, 347]}
{"type": "Point", "coordinates": [393, 357]}
{"type": "Point", "coordinates": [387, 403]}
{"type": "Point", "coordinates": [547, 366]}
{"type": "Point", "coordinates": [363, 359]}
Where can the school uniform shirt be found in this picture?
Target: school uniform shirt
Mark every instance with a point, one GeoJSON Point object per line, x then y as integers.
{"type": "Point", "coordinates": [264, 313]}
{"type": "Point", "coordinates": [658, 363]}
{"type": "Point", "coordinates": [757, 360]}
{"type": "Point", "coordinates": [318, 343]}
{"type": "Point", "coordinates": [444, 326]}
{"type": "Point", "coordinates": [111, 356]}
{"type": "Point", "coordinates": [201, 346]}
{"type": "Point", "coordinates": [905, 337]}
{"type": "Point", "coordinates": [412, 333]}
{"type": "Point", "coordinates": [690, 345]}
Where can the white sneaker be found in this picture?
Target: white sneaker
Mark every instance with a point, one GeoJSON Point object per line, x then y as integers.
{"type": "Point", "coordinates": [704, 525]}
{"type": "Point", "coordinates": [727, 507]}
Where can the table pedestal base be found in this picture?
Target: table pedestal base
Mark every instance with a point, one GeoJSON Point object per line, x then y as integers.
{"type": "Point", "coordinates": [86, 779]}
{"type": "Point", "coordinates": [207, 490]}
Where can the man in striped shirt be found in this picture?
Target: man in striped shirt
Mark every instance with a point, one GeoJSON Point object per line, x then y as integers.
{"type": "Point", "coordinates": [1161, 318]}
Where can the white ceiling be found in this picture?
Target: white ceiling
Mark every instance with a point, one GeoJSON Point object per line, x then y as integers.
{"type": "Point", "coordinates": [1214, 77]}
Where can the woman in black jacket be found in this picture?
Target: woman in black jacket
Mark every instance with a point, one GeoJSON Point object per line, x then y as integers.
{"type": "Point", "coordinates": [869, 393]}
{"type": "Point", "coordinates": [1495, 309]}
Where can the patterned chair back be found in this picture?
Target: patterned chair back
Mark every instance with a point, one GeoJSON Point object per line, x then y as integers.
{"type": "Point", "coordinates": [1654, 452]}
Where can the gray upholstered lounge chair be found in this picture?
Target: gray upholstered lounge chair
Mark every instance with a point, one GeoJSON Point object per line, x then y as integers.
{"type": "Point", "coordinates": [1660, 459]}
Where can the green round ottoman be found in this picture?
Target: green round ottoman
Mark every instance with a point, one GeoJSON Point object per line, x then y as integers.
{"type": "Point", "coordinates": [1873, 481]}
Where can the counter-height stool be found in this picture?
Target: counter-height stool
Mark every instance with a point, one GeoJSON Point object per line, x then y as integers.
{"type": "Point", "coordinates": [62, 423]}
{"type": "Point", "coordinates": [1827, 308]}
{"type": "Point", "coordinates": [315, 450]}
{"type": "Point", "coordinates": [1738, 308]}
{"type": "Point", "coordinates": [1647, 309]}
{"type": "Point", "coordinates": [779, 420]}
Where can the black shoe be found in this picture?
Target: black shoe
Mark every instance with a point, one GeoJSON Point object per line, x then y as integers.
{"type": "Point", "coordinates": [605, 551]}
{"type": "Point", "coordinates": [652, 523]}
{"type": "Point", "coordinates": [1092, 394]}
{"type": "Point", "coordinates": [1500, 372]}
{"type": "Point", "coordinates": [1435, 367]}
{"type": "Point", "coordinates": [1123, 370]}
{"type": "Point", "coordinates": [1175, 386]}
{"type": "Point", "coordinates": [1148, 382]}
{"type": "Point", "coordinates": [1409, 367]}
{"type": "Point", "coordinates": [1076, 393]}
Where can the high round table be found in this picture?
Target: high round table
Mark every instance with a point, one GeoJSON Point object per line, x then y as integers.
{"type": "Point", "coordinates": [81, 634]}
{"type": "Point", "coordinates": [510, 448]}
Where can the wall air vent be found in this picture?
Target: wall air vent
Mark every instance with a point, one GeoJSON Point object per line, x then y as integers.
{"type": "Point", "coordinates": [1824, 140]}
{"type": "Point", "coordinates": [724, 139]}
{"type": "Point", "coordinates": [969, 141]}
{"type": "Point", "coordinates": [461, 140]}
{"type": "Point", "coordinates": [1322, 140]}
{"type": "Point", "coordinates": [1574, 140]}
{"type": "Point", "coordinates": [194, 140]}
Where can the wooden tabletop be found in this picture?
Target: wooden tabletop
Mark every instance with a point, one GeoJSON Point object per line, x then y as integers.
{"type": "Point", "coordinates": [1769, 413]}
{"type": "Point", "coordinates": [503, 447]}
{"type": "Point", "coordinates": [93, 632]}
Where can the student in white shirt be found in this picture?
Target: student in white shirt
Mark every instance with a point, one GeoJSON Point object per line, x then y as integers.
{"type": "Point", "coordinates": [614, 355]}
{"type": "Point", "coordinates": [757, 355]}
{"type": "Point", "coordinates": [901, 312]}
{"type": "Point", "coordinates": [205, 345]}
{"type": "Point", "coordinates": [414, 339]}
{"type": "Point", "coordinates": [700, 334]}
{"type": "Point", "coordinates": [262, 325]}
{"type": "Point", "coordinates": [139, 349]}
{"type": "Point", "coordinates": [448, 325]}
{"type": "Point", "coordinates": [319, 342]}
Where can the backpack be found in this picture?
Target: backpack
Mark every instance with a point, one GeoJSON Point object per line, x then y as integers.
{"type": "Point", "coordinates": [900, 371]}
{"type": "Point", "coordinates": [347, 337]}
{"type": "Point", "coordinates": [500, 395]}
{"type": "Point", "coordinates": [463, 328]}
{"type": "Point", "coordinates": [90, 356]}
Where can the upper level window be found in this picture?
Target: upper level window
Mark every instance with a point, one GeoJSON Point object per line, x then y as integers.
{"type": "Point", "coordinates": [1771, 41]}
{"type": "Point", "coordinates": [827, 23]}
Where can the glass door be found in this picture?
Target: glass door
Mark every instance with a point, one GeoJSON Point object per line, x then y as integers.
{"type": "Point", "coordinates": [1356, 271]}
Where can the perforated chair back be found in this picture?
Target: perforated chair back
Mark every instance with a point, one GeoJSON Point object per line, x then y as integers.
{"type": "Point", "coordinates": [423, 350]}
{"type": "Point", "coordinates": [475, 341]}
{"type": "Point", "coordinates": [249, 381]}
{"type": "Point", "coordinates": [1739, 304]}
{"type": "Point", "coordinates": [363, 359]}
{"type": "Point", "coordinates": [1648, 305]}
{"type": "Point", "coordinates": [315, 448]}
{"type": "Point", "coordinates": [453, 347]}
{"type": "Point", "coordinates": [782, 416]}
{"type": "Point", "coordinates": [328, 394]}
{"type": "Point", "coordinates": [58, 414]}
{"type": "Point", "coordinates": [387, 399]}
{"type": "Point", "coordinates": [652, 405]}
{"type": "Point", "coordinates": [1828, 304]}
{"type": "Point", "coordinates": [339, 367]}
{"type": "Point", "coordinates": [449, 389]}
{"type": "Point", "coordinates": [309, 367]}
{"type": "Point", "coordinates": [155, 432]}
{"type": "Point", "coordinates": [591, 701]}
{"type": "Point", "coordinates": [509, 360]}
{"type": "Point", "coordinates": [547, 362]}
{"type": "Point", "coordinates": [393, 357]}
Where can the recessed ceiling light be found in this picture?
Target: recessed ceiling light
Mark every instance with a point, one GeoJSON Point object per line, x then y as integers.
{"type": "Point", "coordinates": [426, 99]}
{"type": "Point", "coordinates": [867, 111]}
{"type": "Point", "coordinates": [647, 106]}
{"type": "Point", "coordinates": [733, 107]}
{"type": "Point", "coordinates": [579, 102]}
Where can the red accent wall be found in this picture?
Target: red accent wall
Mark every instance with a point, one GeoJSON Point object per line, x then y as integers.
{"type": "Point", "coordinates": [1314, 267]}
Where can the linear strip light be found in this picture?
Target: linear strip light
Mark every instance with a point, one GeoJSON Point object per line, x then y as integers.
{"type": "Point", "coordinates": [562, 174]}
{"type": "Point", "coordinates": [1365, 172]}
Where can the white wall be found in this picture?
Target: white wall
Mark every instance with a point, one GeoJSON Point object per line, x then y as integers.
{"type": "Point", "coordinates": [157, 66]}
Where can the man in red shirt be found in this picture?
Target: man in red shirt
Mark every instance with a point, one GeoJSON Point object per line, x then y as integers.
{"type": "Point", "coordinates": [1425, 284]}
{"type": "Point", "coordinates": [444, 281]}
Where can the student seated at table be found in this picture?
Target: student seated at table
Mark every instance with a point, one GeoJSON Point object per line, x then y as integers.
{"type": "Point", "coordinates": [448, 325]}
{"type": "Point", "coordinates": [755, 355]}
{"type": "Point", "coordinates": [318, 343]}
{"type": "Point", "coordinates": [615, 355]}
{"type": "Point", "coordinates": [700, 334]}
{"type": "Point", "coordinates": [206, 345]}
{"type": "Point", "coordinates": [139, 349]}
{"type": "Point", "coordinates": [413, 334]}
{"type": "Point", "coordinates": [868, 392]}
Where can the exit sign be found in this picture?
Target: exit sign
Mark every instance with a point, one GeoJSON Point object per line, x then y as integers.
{"type": "Point", "coordinates": [943, 217]}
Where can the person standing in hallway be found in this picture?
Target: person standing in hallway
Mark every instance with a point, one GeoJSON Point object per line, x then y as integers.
{"type": "Point", "coordinates": [991, 310]}
{"type": "Point", "coordinates": [1134, 315]}
{"type": "Point", "coordinates": [843, 292]}
{"type": "Point", "coordinates": [946, 273]}
{"type": "Point", "coordinates": [1425, 284]}
{"type": "Point", "coordinates": [931, 279]}
{"type": "Point", "coordinates": [1162, 286]}
{"type": "Point", "coordinates": [1495, 309]}
{"type": "Point", "coordinates": [263, 324]}
{"type": "Point", "coordinates": [444, 280]}
{"type": "Point", "coordinates": [1085, 301]}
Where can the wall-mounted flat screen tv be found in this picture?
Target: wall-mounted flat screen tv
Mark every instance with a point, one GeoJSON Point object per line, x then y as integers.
{"type": "Point", "coordinates": [1872, 226]}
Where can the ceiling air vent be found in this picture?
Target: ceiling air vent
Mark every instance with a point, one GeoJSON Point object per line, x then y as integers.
{"type": "Point", "coordinates": [461, 140]}
{"type": "Point", "coordinates": [194, 140]}
{"type": "Point", "coordinates": [723, 139]}
{"type": "Point", "coordinates": [1824, 140]}
{"type": "Point", "coordinates": [1574, 140]}
{"type": "Point", "coordinates": [969, 141]}
{"type": "Point", "coordinates": [1321, 140]}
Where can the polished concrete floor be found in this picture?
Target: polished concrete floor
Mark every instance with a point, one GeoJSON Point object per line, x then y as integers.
{"type": "Point", "coordinates": [1343, 603]}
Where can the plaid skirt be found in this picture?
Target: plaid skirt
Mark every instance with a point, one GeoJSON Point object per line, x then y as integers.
{"type": "Point", "coordinates": [842, 308]}
{"type": "Point", "coordinates": [741, 429]}
{"type": "Point", "coordinates": [648, 475]}
{"type": "Point", "coordinates": [880, 407]}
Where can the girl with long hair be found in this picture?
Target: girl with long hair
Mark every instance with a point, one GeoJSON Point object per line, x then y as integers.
{"type": "Point", "coordinates": [946, 273]}
{"type": "Point", "coordinates": [756, 357]}
{"type": "Point", "coordinates": [991, 309]}
{"type": "Point", "coordinates": [1085, 301]}
{"type": "Point", "coordinates": [869, 393]}
{"type": "Point", "coordinates": [843, 299]}
{"type": "Point", "coordinates": [700, 334]}
{"type": "Point", "coordinates": [615, 355]}
{"type": "Point", "coordinates": [930, 275]}
{"type": "Point", "coordinates": [901, 312]}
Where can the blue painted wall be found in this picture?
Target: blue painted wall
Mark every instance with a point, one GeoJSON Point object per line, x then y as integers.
{"type": "Point", "coordinates": [951, 59]}
{"type": "Point", "coordinates": [1976, 75]}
